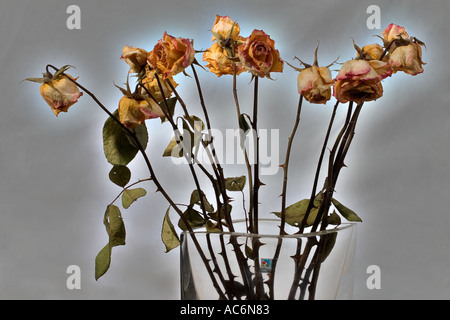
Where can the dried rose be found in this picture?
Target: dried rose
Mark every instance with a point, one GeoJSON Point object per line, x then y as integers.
{"type": "Point", "coordinates": [259, 56]}
{"type": "Point", "coordinates": [314, 83]}
{"type": "Point", "coordinates": [407, 59]}
{"type": "Point", "coordinates": [171, 55]}
{"type": "Point", "coordinates": [219, 62]}
{"type": "Point", "coordinates": [60, 93]}
{"type": "Point", "coordinates": [371, 52]}
{"type": "Point", "coordinates": [360, 80]}
{"type": "Point", "coordinates": [136, 58]}
{"type": "Point", "coordinates": [224, 29]}
{"type": "Point", "coordinates": [133, 112]}
{"type": "Point", "coordinates": [393, 32]}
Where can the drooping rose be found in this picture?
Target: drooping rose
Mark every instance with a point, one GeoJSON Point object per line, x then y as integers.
{"type": "Point", "coordinates": [133, 112]}
{"type": "Point", "coordinates": [219, 62]}
{"type": "Point", "coordinates": [150, 82]}
{"type": "Point", "coordinates": [360, 80]}
{"type": "Point", "coordinates": [393, 32]}
{"type": "Point", "coordinates": [136, 58]}
{"type": "Point", "coordinates": [259, 56]}
{"type": "Point", "coordinates": [225, 28]}
{"type": "Point", "coordinates": [314, 83]}
{"type": "Point", "coordinates": [171, 55]}
{"type": "Point", "coordinates": [60, 93]}
{"type": "Point", "coordinates": [407, 58]}
{"type": "Point", "coordinates": [371, 51]}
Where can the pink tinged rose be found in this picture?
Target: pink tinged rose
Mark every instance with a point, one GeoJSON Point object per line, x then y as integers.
{"type": "Point", "coordinates": [407, 59]}
{"type": "Point", "coordinates": [60, 93]}
{"type": "Point", "coordinates": [360, 80]}
{"type": "Point", "coordinates": [224, 28]}
{"type": "Point", "coordinates": [393, 32]}
{"type": "Point", "coordinates": [259, 56]}
{"type": "Point", "coordinates": [171, 55]}
{"type": "Point", "coordinates": [314, 83]}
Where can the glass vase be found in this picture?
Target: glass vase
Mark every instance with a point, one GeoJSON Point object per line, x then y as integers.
{"type": "Point", "coordinates": [243, 266]}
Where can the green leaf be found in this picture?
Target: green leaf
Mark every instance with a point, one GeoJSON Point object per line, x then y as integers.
{"type": "Point", "coordinates": [334, 218]}
{"type": "Point", "coordinates": [346, 212]}
{"type": "Point", "coordinates": [120, 175]}
{"type": "Point", "coordinates": [118, 146]}
{"type": "Point", "coordinates": [102, 261]}
{"type": "Point", "coordinates": [131, 195]}
{"type": "Point", "coordinates": [236, 183]}
{"type": "Point", "coordinates": [195, 199]}
{"type": "Point", "coordinates": [193, 217]}
{"type": "Point", "coordinates": [243, 124]}
{"type": "Point", "coordinates": [295, 213]}
{"type": "Point", "coordinates": [173, 149]}
{"type": "Point", "coordinates": [114, 226]}
{"type": "Point", "coordinates": [169, 108]}
{"type": "Point", "coordinates": [168, 233]}
{"type": "Point", "coordinates": [329, 245]}
{"type": "Point", "coordinates": [212, 227]}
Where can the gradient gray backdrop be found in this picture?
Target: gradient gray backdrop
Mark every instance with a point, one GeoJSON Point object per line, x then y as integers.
{"type": "Point", "coordinates": [54, 184]}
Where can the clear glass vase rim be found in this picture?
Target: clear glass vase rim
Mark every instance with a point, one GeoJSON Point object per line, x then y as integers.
{"type": "Point", "coordinates": [338, 228]}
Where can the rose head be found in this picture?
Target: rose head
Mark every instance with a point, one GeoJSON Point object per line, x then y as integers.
{"type": "Point", "coordinates": [259, 56]}
{"type": "Point", "coordinates": [136, 58]}
{"type": "Point", "coordinates": [314, 83]}
{"type": "Point", "coordinates": [133, 112]}
{"type": "Point", "coordinates": [407, 59]}
{"type": "Point", "coordinates": [360, 80]}
{"type": "Point", "coordinates": [171, 55]}
{"type": "Point", "coordinates": [219, 62]}
{"type": "Point", "coordinates": [393, 32]}
{"type": "Point", "coordinates": [224, 29]}
{"type": "Point", "coordinates": [60, 93]}
{"type": "Point", "coordinates": [371, 52]}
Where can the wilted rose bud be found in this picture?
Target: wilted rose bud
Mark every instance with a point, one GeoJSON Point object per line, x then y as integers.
{"type": "Point", "coordinates": [360, 80]}
{"type": "Point", "coordinates": [219, 62]}
{"type": "Point", "coordinates": [407, 58]}
{"type": "Point", "coordinates": [371, 51]}
{"type": "Point", "coordinates": [136, 58]}
{"type": "Point", "coordinates": [258, 55]}
{"type": "Point", "coordinates": [224, 28]}
{"type": "Point", "coordinates": [171, 55]}
{"type": "Point", "coordinates": [393, 32]}
{"type": "Point", "coordinates": [133, 112]}
{"type": "Point", "coordinates": [60, 93]}
{"type": "Point", "coordinates": [314, 83]}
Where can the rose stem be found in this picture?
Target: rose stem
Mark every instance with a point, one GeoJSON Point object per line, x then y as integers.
{"type": "Point", "coordinates": [319, 165]}
{"type": "Point", "coordinates": [221, 179]}
{"type": "Point", "coordinates": [247, 162]}
{"type": "Point", "coordinates": [286, 165]}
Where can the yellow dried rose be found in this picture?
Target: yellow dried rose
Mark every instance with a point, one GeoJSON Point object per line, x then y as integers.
{"type": "Point", "coordinates": [60, 93]}
{"type": "Point", "coordinates": [407, 58]}
{"type": "Point", "coordinates": [171, 55]}
{"type": "Point", "coordinates": [133, 112]}
{"type": "Point", "coordinates": [219, 62]}
{"type": "Point", "coordinates": [371, 51]}
{"type": "Point", "coordinates": [224, 29]}
{"type": "Point", "coordinates": [136, 58]}
{"type": "Point", "coordinates": [314, 83]}
{"type": "Point", "coordinates": [259, 56]}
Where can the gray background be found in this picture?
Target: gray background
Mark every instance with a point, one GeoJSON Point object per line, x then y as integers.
{"type": "Point", "coordinates": [54, 184]}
